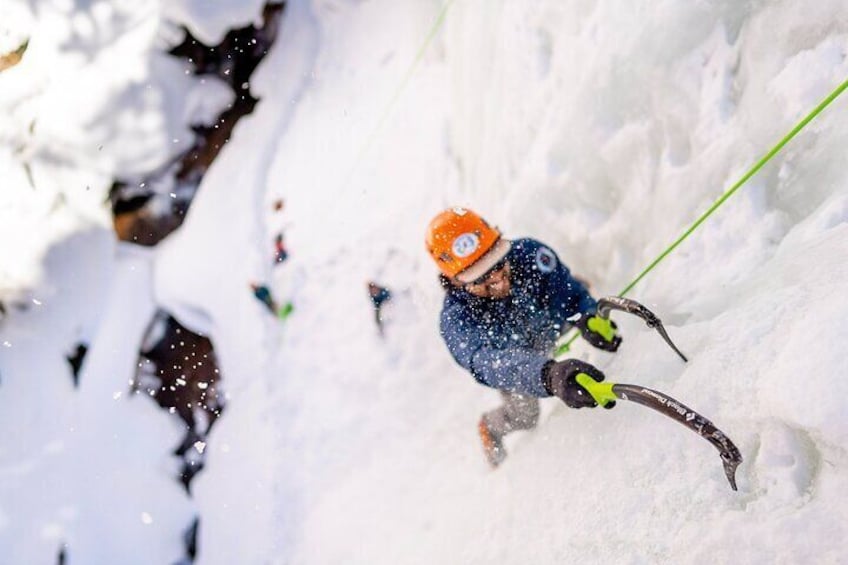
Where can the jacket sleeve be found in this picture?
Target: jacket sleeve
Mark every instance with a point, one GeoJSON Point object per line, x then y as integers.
{"type": "Point", "coordinates": [494, 364]}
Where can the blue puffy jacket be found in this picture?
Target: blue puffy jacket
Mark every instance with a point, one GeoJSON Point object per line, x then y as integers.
{"type": "Point", "coordinates": [504, 343]}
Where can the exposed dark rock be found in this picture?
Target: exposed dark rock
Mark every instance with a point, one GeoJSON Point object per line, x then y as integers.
{"type": "Point", "coordinates": [180, 372]}
{"type": "Point", "coordinates": [190, 538]}
{"type": "Point", "coordinates": [188, 471]}
{"type": "Point", "coordinates": [75, 360]}
{"type": "Point", "coordinates": [174, 184]}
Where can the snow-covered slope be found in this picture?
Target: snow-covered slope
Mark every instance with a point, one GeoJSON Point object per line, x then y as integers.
{"type": "Point", "coordinates": [603, 128]}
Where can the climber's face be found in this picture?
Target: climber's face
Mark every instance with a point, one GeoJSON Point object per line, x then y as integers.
{"type": "Point", "coordinates": [494, 284]}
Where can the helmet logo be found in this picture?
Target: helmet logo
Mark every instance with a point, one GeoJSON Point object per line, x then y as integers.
{"type": "Point", "coordinates": [465, 244]}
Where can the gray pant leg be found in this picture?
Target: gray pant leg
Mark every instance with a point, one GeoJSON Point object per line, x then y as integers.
{"type": "Point", "coordinates": [519, 412]}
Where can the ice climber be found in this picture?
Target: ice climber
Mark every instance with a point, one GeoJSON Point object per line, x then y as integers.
{"type": "Point", "coordinates": [379, 296]}
{"type": "Point", "coordinates": [505, 306]}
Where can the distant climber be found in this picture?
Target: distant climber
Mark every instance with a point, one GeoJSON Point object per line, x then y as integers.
{"type": "Point", "coordinates": [263, 294]}
{"type": "Point", "coordinates": [379, 296]}
{"type": "Point", "coordinates": [506, 304]}
{"type": "Point", "coordinates": [280, 251]}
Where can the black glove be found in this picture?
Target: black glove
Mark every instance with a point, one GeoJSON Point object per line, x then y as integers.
{"type": "Point", "coordinates": [559, 378]}
{"type": "Point", "coordinates": [600, 332]}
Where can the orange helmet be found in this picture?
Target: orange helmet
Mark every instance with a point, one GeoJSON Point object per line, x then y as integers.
{"type": "Point", "coordinates": [463, 245]}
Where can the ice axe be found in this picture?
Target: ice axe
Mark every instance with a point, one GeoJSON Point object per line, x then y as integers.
{"type": "Point", "coordinates": [632, 307]}
{"type": "Point", "coordinates": [606, 392]}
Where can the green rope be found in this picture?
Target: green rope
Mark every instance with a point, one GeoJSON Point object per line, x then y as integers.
{"type": "Point", "coordinates": [402, 85]}
{"type": "Point", "coordinates": [727, 194]}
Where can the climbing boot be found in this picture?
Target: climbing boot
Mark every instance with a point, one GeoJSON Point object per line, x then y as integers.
{"type": "Point", "coordinates": [492, 445]}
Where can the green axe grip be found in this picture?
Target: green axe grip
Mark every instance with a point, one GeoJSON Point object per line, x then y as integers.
{"type": "Point", "coordinates": [602, 327]}
{"type": "Point", "coordinates": [601, 392]}
{"type": "Point", "coordinates": [285, 310]}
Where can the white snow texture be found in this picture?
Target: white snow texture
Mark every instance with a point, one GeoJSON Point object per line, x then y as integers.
{"type": "Point", "coordinates": [603, 128]}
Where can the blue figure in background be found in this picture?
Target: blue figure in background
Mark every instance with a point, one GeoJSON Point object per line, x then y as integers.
{"type": "Point", "coordinates": [379, 296]}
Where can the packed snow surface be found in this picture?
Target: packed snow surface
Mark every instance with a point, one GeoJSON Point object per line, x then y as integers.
{"type": "Point", "coordinates": [601, 128]}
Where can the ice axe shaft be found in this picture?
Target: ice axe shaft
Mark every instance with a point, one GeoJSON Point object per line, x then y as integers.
{"type": "Point", "coordinates": [605, 392]}
{"type": "Point", "coordinates": [632, 307]}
